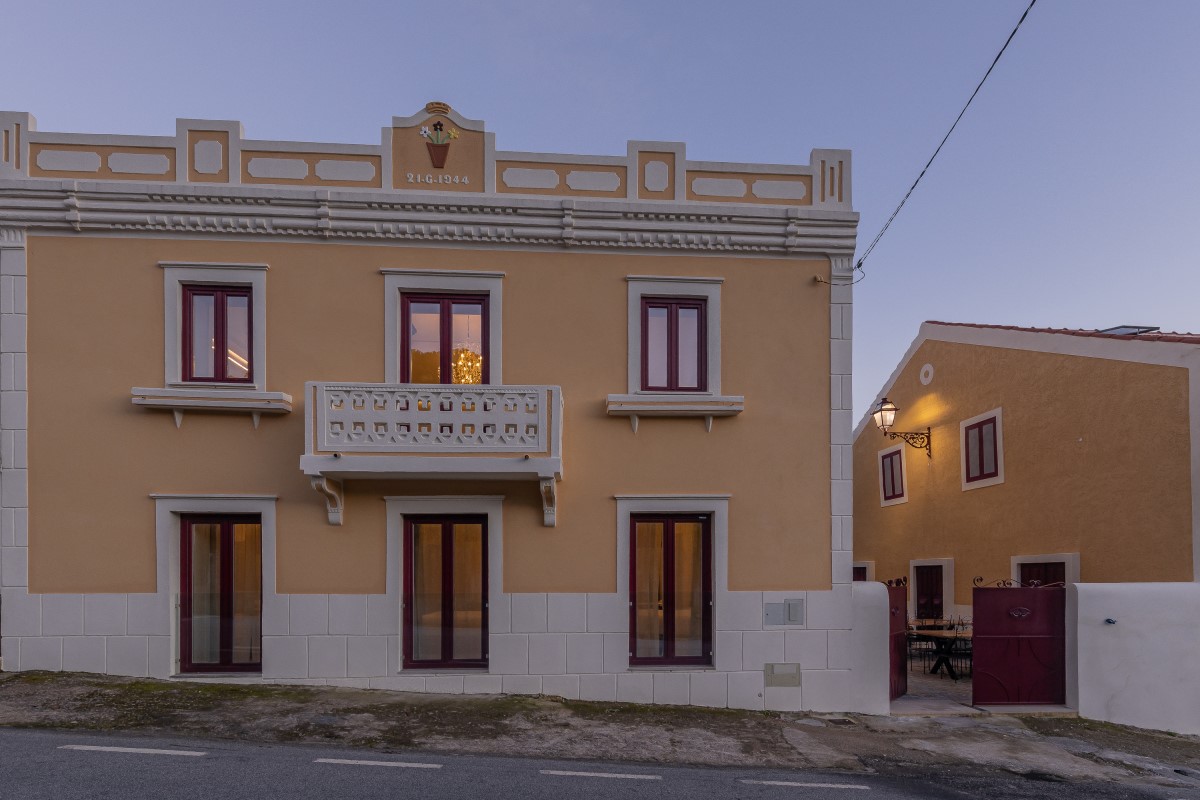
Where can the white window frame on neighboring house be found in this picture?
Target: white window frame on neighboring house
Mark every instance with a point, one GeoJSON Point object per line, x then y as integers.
{"type": "Point", "coordinates": [949, 607]}
{"type": "Point", "coordinates": [998, 413]}
{"type": "Point", "coordinates": [1070, 562]}
{"type": "Point", "coordinates": [400, 281]}
{"type": "Point", "coordinates": [903, 497]}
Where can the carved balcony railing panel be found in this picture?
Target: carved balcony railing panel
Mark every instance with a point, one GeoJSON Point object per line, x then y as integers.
{"type": "Point", "coordinates": [372, 430]}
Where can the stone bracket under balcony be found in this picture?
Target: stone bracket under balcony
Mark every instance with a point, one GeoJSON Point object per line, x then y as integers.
{"type": "Point", "coordinates": [421, 431]}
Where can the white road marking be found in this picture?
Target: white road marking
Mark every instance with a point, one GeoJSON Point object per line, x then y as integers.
{"type": "Point", "coordinates": [360, 763]}
{"type": "Point", "coordinates": [629, 775]}
{"type": "Point", "coordinates": [808, 785]}
{"type": "Point", "coordinates": [142, 750]}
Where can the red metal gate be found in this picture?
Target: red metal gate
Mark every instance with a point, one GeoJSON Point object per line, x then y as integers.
{"type": "Point", "coordinates": [898, 639]}
{"type": "Point", "coordinates": [1019, 646]}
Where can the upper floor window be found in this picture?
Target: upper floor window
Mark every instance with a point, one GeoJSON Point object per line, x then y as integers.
{"type": "Point", "coordinates": [444, 338]}
{"type": "Point", "coordinates": [674, 344]}
{"type": "Point", "coordinates": [892, 473]}
{"type": "Point", "coordinates": [982, 450]}
{"type": "Point", "coordinates": [217, 334]}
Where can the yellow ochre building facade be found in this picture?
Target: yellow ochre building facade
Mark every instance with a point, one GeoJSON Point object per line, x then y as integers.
{"type": "Point", "coordinates": [429, 416]}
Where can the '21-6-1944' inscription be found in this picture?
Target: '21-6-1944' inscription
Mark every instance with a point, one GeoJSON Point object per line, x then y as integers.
{"type": "Point", "coordinates": [416, 177]}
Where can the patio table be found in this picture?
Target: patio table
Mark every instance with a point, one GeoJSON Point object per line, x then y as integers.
{"type": "Point", "coordinates": [943, 648]}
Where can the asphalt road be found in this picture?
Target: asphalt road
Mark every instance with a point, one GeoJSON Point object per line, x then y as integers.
{"type": "Point", "coordinates": [66, 765]}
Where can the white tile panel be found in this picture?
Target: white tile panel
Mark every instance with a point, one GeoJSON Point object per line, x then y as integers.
{"type": "Point", "coordinates": [709, 689]}
{"type": "Point", "coordinates": [160, 658]}
{"type": "Point", "coordinates": [400, 683]}
{"type": "Point", "coordinates": [309, 614]}
{"type": "Point", "coordinates": [564, 686]}
{"type": "Point", "coordinates": [276, 609]}
{"type": "Point", "coordinates": [508, 653]}
{"type": "Point", "coordinates": [83, 654]}
{"type": "Point", "coordinates": [601, 688]}
{"type": "Point", "coordinates": [672, 688]}
{"type": "Point", "coordinates": [761, 647]}
{"type": "Point", "coordinates": [616, 652]}
{"type": "Point", "coordinates": [782, 698]}
{"type": "Point", "coordinates": [528, 613]}
{"type": "Point", "coordinates": [14, 561]}
{"type": "Point", "coordinates": [547, 653]}
{"type": "Point", "coordinates": [285, 657]}
{"type": "Point", "coordinates": [566, 613]}
{"type": "Point", "coordinates": [607, 613]}
{"type": "Point", "coordinates": [62, 615]}
{"type": "Point", "coordinates": [499, 613]}
{"type": "Point", "coordinates": [105, 614]}
{"type": "Point", "coordinates": [522, 684]}
{"type": "Point", "coordinates": [739, 611]}
{"type": "Point", "coordinates": [149, 615]}
{"type": "Point", "coordinates": [831, 610]}
{"type": "Point", "coordinates": [21, 613]}
{"type": "Point", "coordinates": [840, 649]}
{"type": "Point", "coordinates": [348, 614]}
{"type": "Point", "coordinates": [746, 690]}
{"type": "Point", "coordinates": [327, 656]}
{"type": "Point", "coordinates": [42, 652]}
{"type": "Point", "coordinates": [483, 684]}
{"type": "Point", "coordinates": [366, 656]}
{"type": "Point", "coordinates": [826, 690]}
{"type": "Point", "coordinates": [444, 684]}
{"type": "Point", "coordinates": [727, 651]}
{"type": "Point", "coordinates": [10, 653]}
{"type": "Point", "coordinates": [383, 615]}
{"type": "Point", "coordinates": [585, 652]}
{"type": "Point", "coordinates": [635, 687]}
{"type": "Point", "coordinates": [127, 655]}
{"type": "Point", "coordinates": [809, 649]}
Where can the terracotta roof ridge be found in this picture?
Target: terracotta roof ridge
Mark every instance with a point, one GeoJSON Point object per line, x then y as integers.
{"type": "Point", "coordinates": [1155, 336]}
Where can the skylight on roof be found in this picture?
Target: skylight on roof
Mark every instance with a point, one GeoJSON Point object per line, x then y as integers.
{"type": "Point", "coordinates": [1130, 330]}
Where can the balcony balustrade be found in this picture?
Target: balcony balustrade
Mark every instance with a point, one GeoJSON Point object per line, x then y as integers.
{"type": "Point", "coordinates": [411, 431]}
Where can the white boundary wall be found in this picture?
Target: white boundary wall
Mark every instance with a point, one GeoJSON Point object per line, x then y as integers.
{"type": "Point", "coordinates": [1141, 669]}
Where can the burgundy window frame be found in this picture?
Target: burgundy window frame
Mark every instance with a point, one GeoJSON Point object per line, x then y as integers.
{"type": "Point", "coordinates": [447, 521]}
{"type": "Point", "coordinates": [221, 350]}
{"type": "Point", "coordinates": [995, 450]}
{"type": "Point", "coordinates": [860, 573]}
{"type": "Point", "coordinates": [673, 304]}
{"type": "Point", "coordinates": [226, 663]}
{"type": "Point", "coordinates": [897, 459]}
{"type": "Point", "coordinates": [445, 334]}
{"type": "Point", "coordinates": [668, 656]}
{"type": "Point", "coordinates": [927, 580]}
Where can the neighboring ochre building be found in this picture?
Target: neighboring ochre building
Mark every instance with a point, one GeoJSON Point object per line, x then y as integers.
{"type": "Point", "coordinates": [423, 415]}
{"type": "Point", "coordinates": [1056, 455]}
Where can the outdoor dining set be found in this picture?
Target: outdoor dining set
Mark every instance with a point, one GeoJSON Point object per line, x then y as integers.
{"type": "Point", "coordinates": [941, 646]}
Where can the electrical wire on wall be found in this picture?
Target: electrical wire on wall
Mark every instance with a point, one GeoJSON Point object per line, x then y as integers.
{"type": "Point", "coordinates": [858, 265]}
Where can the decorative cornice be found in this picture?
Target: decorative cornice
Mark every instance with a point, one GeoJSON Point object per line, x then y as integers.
{"type": "Point", "coordinates": [140, 209]}
{"type": "Point", "coordinates": [12, 238]}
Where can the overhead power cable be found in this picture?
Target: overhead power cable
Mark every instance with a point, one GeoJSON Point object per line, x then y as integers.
{"type": "Point", "coordinates": [886, 225]}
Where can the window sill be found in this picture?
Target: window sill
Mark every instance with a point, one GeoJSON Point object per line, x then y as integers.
{"type": "Point", "coordinates": [213, 399]}
{"type": "Point", "coordinates": [674, 404]}
{"type": "Point", "coordinates": [672, 668]}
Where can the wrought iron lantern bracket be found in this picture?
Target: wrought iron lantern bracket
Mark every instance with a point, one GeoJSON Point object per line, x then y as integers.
{"type": "Point", "coordinates": [922, 440]}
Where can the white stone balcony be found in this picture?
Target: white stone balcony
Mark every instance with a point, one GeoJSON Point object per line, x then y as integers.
{"type": "Point", "coordinates": [423, 431]}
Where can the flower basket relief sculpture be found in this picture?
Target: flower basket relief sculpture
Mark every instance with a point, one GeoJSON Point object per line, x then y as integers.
{"type": "Point", "coordinates": [438, 142]}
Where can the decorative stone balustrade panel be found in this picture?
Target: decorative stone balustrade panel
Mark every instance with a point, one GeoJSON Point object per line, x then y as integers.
{"type": "Point", "coordinates": [377, 418]}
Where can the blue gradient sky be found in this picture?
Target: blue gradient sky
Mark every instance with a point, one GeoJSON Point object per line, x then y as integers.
{"type": "Point", "coordinates": [1067, 197]}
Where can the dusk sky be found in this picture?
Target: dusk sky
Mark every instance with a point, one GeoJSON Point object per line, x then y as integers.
{"type": "Point", "coordinates": [1067, 197]}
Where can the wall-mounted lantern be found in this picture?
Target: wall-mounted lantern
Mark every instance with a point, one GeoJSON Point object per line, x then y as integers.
{"type": "Point", "coordinates": [885, 415]}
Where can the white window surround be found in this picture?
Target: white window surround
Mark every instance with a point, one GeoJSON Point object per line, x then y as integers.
{"type": "Point", "coordinates": [178, 395]}
{"type": "Point", "coordinates": [903, 474]}
{"type": "Point", "coordinates": [716, 506]}
{"type": "Point", "coordinates": [398, 507]}
{"type": "Point", "coordinates": [396, 281]}
{"type": "Point", "coordinates": [167, 510]}
{"type": "Point", "coordinates": [1070, 560]}
{"type": "Point", "coordinates": [962, 449]}
{"type": "Point", "coordinates": [949, 607]}
{"type": "Point", "coordinates": [870, 567]}
{"type": "Point", "coordinates": [707, 404]}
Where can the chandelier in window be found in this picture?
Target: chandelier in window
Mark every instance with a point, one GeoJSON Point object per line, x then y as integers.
{"type": "Point", "coordinates": [466, 366]}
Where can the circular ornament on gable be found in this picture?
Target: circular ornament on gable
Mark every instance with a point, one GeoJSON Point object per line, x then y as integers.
{"type": "Point", "coordinates": [927, 374]}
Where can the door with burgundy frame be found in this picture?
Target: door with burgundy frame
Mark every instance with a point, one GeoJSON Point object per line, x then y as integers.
{"type": "Point", "coordinates": [928, 592]}
{"type": "Point", "coordinates": [1043, 573]}
{"type": "Point", "coordinates": [220, 598]}
{"type": "Point", "coordinates": [1019, 645]}
{"type": "Point", "coordinates": [898, 640]}
{"type": "Point", "coordinates": [445, 592]}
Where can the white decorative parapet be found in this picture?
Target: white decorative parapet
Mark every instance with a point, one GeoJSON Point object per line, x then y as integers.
{"type": "Point", "coordinates": [373, 430]}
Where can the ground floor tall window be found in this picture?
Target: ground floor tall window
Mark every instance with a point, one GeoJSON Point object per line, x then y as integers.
{"type": "Point", "coordinates": [220, 593]}
{"type": "Point", "coordinates": [445, 591]}
{"type": "Point", "coordinates": [670, 589]}
{"type": "Point", "coordinates": [928, 580]}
